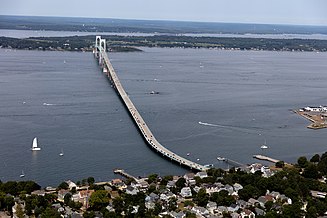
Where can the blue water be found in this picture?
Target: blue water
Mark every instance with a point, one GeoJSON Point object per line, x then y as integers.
{"type": "Point", "coordinates": [240, 99]}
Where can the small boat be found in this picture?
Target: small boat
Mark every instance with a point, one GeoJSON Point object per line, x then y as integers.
{"type": "Point", "coordinates": [198, 159]}
{"type": "Point", "coordinates": [188, 154]}
{"type": "Point", "coordinates": [35, 146]}
{"type": "Point", "coordinates": [61, 153]}
{"type": "Point", "coordinates": [221, 158]}
{"type": "Point", "coordinates": [264, 146]}
{"type": "Point", "coordinates": [22, 174]}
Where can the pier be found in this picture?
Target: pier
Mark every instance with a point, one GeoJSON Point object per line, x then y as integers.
{"type": "Point", "coordinates": [107, 68]}
{"type": "Point", "coordinates": [123, 173]}
{"type": "Point", "coordinates": [262, 157]}
{"type": "Point", "coordinates": [234, 163]}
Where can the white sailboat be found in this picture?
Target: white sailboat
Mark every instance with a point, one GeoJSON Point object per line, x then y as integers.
{"type": "Point", "coordinates": [35, 146]}
{"type": "Point", "coordinates": [22, 174]}
{"type": "Point", "coordinates": [264, 146]}
{"type": "Point", "coordinates": [61, 153]}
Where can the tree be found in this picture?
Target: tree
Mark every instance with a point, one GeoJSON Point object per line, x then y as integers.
{"type": "Point", "coordinates": [90, 180]}
{"type": "Point", "coordinates": [99, 199]}
{"type": "Point", "coordinates": [302, 161]}
{"type": "Point", "coordinates": [315, 158]}
{"type": "Point", "coordinates": [152, 178]}
{"type": "Point", "coordinates": [249, 191]}
{"type": "Point", "coordinates": [312, 212]}
{"type": "Point", "coordinates": [67, 198]}
{"type": "Point", "coordinates": [88, 214]}
{"type": "Point", "coordinates": [118, 205]}
{"type": "Point", "coordinates": [49, 212]}
{"type": "Point", "coordinates": [19, 211]}
{"type": "Point", "coordinates": [63, 185]}
{"type": "Point", "coordinates": [311, 171]}
{"type": "Point", "coordinates": [280, 164]}
{"type": "Point", "coordinates": [201, 197]}
{"type": "Point", "coordinates": [172, 204]}
{"type": "Point", "coordinates": [180, 183]}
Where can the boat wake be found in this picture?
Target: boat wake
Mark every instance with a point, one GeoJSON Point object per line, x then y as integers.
{"type": "Point", "coordinates": [253, 130]}
{"type": "Point", "coordinates": [210, 124]}
{"type": "Point", "coordinates": [46, 104]}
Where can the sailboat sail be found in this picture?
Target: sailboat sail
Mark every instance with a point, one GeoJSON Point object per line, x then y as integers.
{"type": "Point", "coordinates": [35, 145]}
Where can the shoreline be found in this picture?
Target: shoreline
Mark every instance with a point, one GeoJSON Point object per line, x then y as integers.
{"type": "Point", "coordinates": [315, 118]}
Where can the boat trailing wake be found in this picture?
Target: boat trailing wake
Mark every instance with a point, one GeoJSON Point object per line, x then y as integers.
{"type": "Point", "coordinates": [253, 130]}
{"type": "Point", "coordinates": [46, 104]}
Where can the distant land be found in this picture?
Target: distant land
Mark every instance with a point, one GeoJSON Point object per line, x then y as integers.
{"type": "Point", "coordinates": [149, 26]}
{"type": "Point", "coordinates": [130, 43]}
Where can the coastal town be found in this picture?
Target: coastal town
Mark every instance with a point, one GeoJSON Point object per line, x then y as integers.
{"type": "Point", "coordinates": [256, 190]}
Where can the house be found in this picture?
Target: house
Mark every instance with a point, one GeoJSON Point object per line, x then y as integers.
{"type": "Point", "coordinates": [202, 174]}
{"type": "Point", "coordinates": [212, 189]}
{"type": "Point", "coordinates": [118, 183]}
{"type": "Point", "coordinates": [221, 210]}
{"type": "Point", "coordinates": [264, 199]}
{"type": "Point", "coordinates": [152, 197]}
{"type": "Point", "coordinates": [61, 194]}
{"type": "Point", "coordinates": [233, 208]}
{"type": "Point", "coordinates": [186, 192]}
{"type": "Point", "coordinates": [211, 207]}
{"type": "Point", "coordinates": [189, 176]}
{"type": "Point", "coordinates": [237, 187]}
{"type": "Point", "coordinates": [242, 203]}
{"type": "Point", "coordinates": [259, 212]}
{"type": "Point", "coordinates": [246, 213]}
{"type": "Point", "coordinates": [200, 210]}
{"type": "Point", "coordinates": [235, 215]}
{"type": "Point", "coordinates": [171, 184]}
{"type": "Point", "coordinates": [131, 190]}
{"type": "Point", "coordinates": [38, 192]}
{"type": "Point", "coordinates": [150, 205]}
{"type": "Point", "coordinates": [110, 208]}
{"type": "Point", "coordinates": [71, 184]}
{"type": "Point", "coordinates": [253, 202]}
{"type": "Point", "coordinates": [84, 197]}
{"type": "Point", "coordinates": [177, 215]}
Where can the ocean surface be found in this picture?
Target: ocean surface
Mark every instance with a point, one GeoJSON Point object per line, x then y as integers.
{"type": "Point", "coordinates": [210, 103]}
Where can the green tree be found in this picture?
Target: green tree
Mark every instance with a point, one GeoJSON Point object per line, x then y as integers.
{"type": "Point", "coordinates": [118, 205]}
{"type": "Point", "coordinates": [201, 197]}
{"type": "Point", "coordinates": [99, 199]}
{"type": "Point", "coordinates": [19, 211]}
{"type": "Point", "coordinates": [88, 214]}
{"type": "Point", "coordinates": [312, 212]}
{"type": "Point", "coordinates": [311, 171]}
{"type": "Point", "coordinates": [172, 204]}
{"type": "Point", "coordinates": [180, 183]}
{"type": "Point", "coordinates": [280, 164]}
{"type": "Point", "coordinates": [152, 178]}
{"type": "Point", "coordinates": [63, 185]}
{"type": "Point", "coordinates": [49, 212]}
{"type": "Point", "coordinates": [315, 158]}
{"type": "Point", "coordinates": [90, 180]}
{"type": "Point", "coordinates": [302, 161]}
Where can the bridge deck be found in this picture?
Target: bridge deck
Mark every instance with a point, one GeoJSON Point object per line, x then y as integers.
{"type": "Point", "coordinates": [145, 130]}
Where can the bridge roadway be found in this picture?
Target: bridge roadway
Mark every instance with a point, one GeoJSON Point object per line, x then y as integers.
{"type": "Point", "coordinates": [146, 132]}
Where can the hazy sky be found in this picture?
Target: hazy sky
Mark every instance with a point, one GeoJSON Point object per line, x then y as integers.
{"type": "Point", "coordinates": [307, 12]}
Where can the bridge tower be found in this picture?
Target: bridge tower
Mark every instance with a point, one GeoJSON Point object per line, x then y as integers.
{"type": "Point", "coordinates": [97, 46]}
